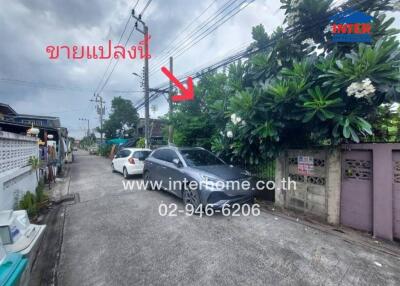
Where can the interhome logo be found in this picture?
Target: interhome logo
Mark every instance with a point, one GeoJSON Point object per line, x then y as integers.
{"type": "Point", "coordinates": [351, 26]}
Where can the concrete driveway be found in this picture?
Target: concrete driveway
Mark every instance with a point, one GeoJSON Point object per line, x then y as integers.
{"type": "Point", "coordinates": [117, 237]}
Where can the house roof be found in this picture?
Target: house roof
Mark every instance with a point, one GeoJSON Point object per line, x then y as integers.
{"type": "Point", "coordinates": [6, 109]}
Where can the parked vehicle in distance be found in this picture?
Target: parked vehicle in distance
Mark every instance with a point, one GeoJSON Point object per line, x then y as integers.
{"type": "Point", "coordinates": [203, 167]}
{"type": "Point", "coordinates": [129, 161]}
{"type": "Point", "coordinates": [93, 150]}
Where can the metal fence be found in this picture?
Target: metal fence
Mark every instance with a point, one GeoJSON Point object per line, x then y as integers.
{"type": "Point", "coordinates": [265, 171]}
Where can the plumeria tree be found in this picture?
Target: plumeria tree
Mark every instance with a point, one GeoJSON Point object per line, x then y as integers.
{"type": "Point", "coordinates": [301, 89]}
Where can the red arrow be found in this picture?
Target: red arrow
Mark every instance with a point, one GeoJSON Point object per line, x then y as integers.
{"type": "Point", "coordinates": [187, 93]}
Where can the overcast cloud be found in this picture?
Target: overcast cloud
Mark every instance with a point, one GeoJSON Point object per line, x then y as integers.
{"type": "Point", "coordinates": [28, 26]}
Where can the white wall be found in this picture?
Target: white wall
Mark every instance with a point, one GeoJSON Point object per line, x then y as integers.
{"type": "Point", "coordinates": [14, 185]}
{"type": "Point", "coordinates": [16, 176]}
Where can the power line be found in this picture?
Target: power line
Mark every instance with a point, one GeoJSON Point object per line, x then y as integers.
{"type": "Point", "coordinates": [145, 7]}
{"type": "Point", "coordinates": [213, 27]}
{"type": "Point", "coordinates": [126, 42]}
{"type": "Point", "coordinates": [50, 86]}
{"type": "Point", "coordinates": [198, 29]}
{"type": "Point", "coordinates": [119, 41]}
{"type": "Point", "coordinates": [177, 54]}
{"type": "Point", "coordinates": [172, 42]}
{"type": "Point", "coordinates": [247, 52]}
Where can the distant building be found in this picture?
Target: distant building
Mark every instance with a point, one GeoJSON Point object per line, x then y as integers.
{"type": "Point", "coordinates": [156, 130]}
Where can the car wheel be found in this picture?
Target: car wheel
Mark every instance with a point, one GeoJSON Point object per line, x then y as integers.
{"type": "Point", "coordinates": [191, 197]}
{"type": "Point", "coordinates": [112, 168]}
{"type": "Point", "coordinates": [147, 182]}
{"type": "Point", "coordinates": [125, 173]}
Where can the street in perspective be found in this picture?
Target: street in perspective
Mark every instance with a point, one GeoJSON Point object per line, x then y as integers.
{"type": "Point", "coordinates": [232, 142]}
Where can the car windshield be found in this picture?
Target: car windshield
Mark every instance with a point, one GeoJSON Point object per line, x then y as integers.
{"type": "Point", "coordinates": [141, 155]}
{"type": "Point", "coordinates": [200, 158]}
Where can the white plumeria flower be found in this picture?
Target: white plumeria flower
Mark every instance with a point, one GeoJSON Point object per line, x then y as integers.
{"type": "Point", "coordinates": [244, 123]}
{"type": "Point", "coordinates": [238, 119]}
{"type": "Point", "coordinates": [233, 118]}
{"type": "Point", "coordinates": [361, 89]}
{"type": "Point", "coordinates": [229, 134]}
{"type": "Point", "coordinates": [309, 42]}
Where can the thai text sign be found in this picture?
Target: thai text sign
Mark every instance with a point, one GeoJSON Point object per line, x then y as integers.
{"type": "Point", "coordinates": [305, 165]}
{"type": "Point", "coordinates": [100, 52]}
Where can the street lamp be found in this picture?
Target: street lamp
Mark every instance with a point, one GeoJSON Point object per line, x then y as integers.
{"type": "Point", "coordinates": [139, 76]}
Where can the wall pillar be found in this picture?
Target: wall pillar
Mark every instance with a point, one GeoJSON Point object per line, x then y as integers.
{"type": "Point", "coordinates": [382, 192]}
{"type": "Point", "coordinates": [333, 185]}
{"type": "Point", "coordinates": [279, 175]}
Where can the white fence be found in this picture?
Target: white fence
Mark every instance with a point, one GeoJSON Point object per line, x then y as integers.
{"type": "Point", "coordinates": [16, 176]}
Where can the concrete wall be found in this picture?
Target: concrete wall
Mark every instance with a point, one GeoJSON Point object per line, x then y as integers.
{"type": "Point", "coordinates": [16, 176]}
{"type": "Point", "coordinates": [317, 191]}
{"type": "Point", "coordinates": [14, 185]}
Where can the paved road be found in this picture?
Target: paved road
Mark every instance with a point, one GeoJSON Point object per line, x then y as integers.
{"type": "Point", "coordinates": [116, 237]}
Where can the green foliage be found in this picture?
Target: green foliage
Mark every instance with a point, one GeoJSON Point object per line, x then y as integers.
{"type": "Point", "coordinates": [41, 195]}
{"type": "Point", "coordinates": [33, 202]}
{"type": "Point", "coordinates": [386, 124]}
{"type": "Point", "coordinates": [141, 143]}
{"type": "Point", "coordinates": [28, 203]}
{"type": "Point", "coordinates": [300, 90]}
{"type": "Point", "coordinates": [122, 120]}
{"type": "Point", "coordinates": [320, 104]}
{"type": "Point", "coordinates": [35, 164]}
{"type": "Point", "coordinates": [104, 150]}
{"type": "Point", "coordinates": [88, 141]}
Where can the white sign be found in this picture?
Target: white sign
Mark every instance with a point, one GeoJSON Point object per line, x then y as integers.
{"type": "Point", "coordinates": [305, 165]}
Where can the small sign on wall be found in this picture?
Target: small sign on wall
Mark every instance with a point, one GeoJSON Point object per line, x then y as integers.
{"type": "Point", "coordinates": [305, 165]}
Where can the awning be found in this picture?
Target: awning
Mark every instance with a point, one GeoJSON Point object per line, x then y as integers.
{"type": "Point", "coordinates": [117, 141]}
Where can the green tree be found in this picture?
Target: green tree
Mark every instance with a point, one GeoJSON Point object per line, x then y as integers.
{"type": "Point", "coordinates": [300, 89]}
{"type": "Point", "coordinates": [122, 120]}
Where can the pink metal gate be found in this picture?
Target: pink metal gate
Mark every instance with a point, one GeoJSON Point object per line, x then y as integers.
{"type": "Point", "coordinates": [356, 194]}
{"type": "Point", "coordinates": [396, 194]}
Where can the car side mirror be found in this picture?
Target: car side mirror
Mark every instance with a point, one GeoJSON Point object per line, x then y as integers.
{"type": "Point", "coordinates": [177, 162]}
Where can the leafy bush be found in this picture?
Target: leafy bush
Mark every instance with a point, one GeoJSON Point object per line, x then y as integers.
{"type": "Point", "coordinates": [41, 195]}
{"type": "Point", "coordinates": [33, 202]}
{"type": "Point", "coordinates": [141, 143]}
{"type": "Point", "coordinates": [104, 150]}
{"type": "Point", "coordinates": [29, 203]}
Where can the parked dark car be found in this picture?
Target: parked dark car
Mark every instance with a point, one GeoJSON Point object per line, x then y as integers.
{"type": "Point", "coordinates": [215, 183]}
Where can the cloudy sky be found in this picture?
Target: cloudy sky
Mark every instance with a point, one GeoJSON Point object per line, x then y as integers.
{"type": "Point", "coordinates": [32, 83]}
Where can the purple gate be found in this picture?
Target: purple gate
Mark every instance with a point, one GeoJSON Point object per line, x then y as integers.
{"type": "Point", "coordinates": [396, 194]}
{"type": "Point", "coordinates": [356, 194]}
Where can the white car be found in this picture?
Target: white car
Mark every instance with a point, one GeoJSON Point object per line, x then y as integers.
{"type": "Point", "coordinates": [130, 161]}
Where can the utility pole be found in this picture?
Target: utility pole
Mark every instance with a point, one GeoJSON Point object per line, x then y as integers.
{"type": "Point", "coordinates": [145, 32]}
{"type": "Point", "coordinates": [100, 111]}
{"type": "Point", "coordinates": [88, 127]}
{"type": "Point", "coordinates": [170, 127]}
